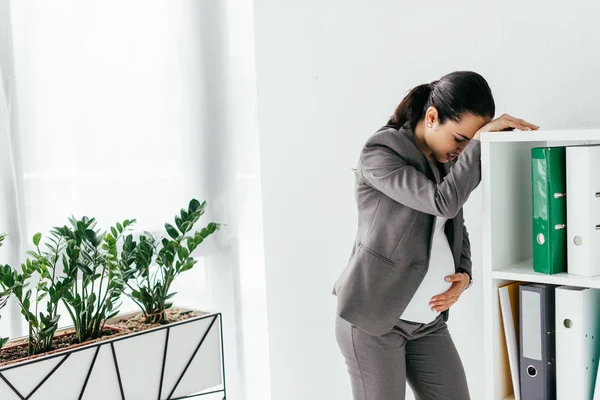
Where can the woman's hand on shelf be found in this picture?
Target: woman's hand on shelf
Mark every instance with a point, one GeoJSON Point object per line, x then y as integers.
{"type": "Point", "coordinates": [504, 123]}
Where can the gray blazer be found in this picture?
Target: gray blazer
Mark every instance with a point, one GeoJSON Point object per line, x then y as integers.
{"type": "Point", "coordinates": [399, 194]}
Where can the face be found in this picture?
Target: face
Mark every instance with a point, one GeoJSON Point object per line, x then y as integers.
{"type": "Point", "coordinates": [448, 140]}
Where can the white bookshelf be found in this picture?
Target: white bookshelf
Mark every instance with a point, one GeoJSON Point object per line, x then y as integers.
{"type": "Point", "coordinates": [507, 246]}
{"type": "Point", "coordinates": [523, 271]}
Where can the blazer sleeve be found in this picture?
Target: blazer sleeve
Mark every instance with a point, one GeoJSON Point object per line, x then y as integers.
{"type": "Point", "coordinates": [385, 170]}
{"type": "Point", "coordinates": [465, 255]}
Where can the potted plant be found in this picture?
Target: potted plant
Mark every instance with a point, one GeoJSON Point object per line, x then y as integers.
{"type": "Point", "coordinates": [88, 271]}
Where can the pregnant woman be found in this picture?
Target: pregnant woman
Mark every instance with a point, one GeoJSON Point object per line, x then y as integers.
{"type": "Point", "coordinates": [411, 258]}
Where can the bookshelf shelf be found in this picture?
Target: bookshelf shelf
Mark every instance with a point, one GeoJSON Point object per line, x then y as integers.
{"type": "Point", "coordinates": [523, 271]}
{"type": "Point", "coordinates": [506, 235]}
{"type": "Point", "coordinates": [580, 135]}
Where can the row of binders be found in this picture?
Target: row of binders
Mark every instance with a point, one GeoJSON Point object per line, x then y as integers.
{"type": "Point", "coordinates": [553, 340]}
{"type": "Point", "coordinates": [566, 209]}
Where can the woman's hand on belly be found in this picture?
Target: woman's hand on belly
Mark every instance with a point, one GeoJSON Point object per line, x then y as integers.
{"type": "Point", "coordinates": [444, 301]}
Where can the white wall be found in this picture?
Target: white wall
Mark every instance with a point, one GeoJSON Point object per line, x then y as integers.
{"type": "Point", "coordinates": [329, 73]}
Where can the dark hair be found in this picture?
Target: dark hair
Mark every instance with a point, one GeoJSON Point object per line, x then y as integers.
{"type": "Point", "coordinates": [454, 95]}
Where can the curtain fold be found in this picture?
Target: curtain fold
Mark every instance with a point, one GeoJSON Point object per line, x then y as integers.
{"type": "Point", "coordinates": [11, 183]}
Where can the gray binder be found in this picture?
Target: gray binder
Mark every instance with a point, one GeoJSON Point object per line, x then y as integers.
{"type": "Point", "coordinates": [537, 342]}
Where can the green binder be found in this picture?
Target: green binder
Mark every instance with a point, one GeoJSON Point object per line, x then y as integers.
{"type": "Point", "coordinates": [549, 209]}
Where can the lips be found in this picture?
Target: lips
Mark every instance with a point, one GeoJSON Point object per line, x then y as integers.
{"type": "Point", "coordinates": [451, 156]}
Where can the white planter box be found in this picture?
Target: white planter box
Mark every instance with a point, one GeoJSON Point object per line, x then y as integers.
{"type": "Point", "coordinates": [179, 360]}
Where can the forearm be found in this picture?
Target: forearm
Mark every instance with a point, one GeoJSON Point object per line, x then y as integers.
{"type": "Point", "coordinates": [386, 171]}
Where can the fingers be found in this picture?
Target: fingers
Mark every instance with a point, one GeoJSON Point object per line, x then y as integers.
{"type": "Point", "coordinates": [528, 125]}
{"type": "Point", "coordinates": [452, 293]}
{"type": "Point", "coordinates": [439, 306]}
{"type": "Point", "coordinates": [443, 300]}
{"type": "Point", "coordinates": [506, 123]}
{"type": "Point", "coordinates": [516, 125]}
{"type": "Point", "coordinates": [454, 278]}
{"type": "Point", "coordinates": [520, 124]}
{"type": "Point", "coordinates": [447, 299]}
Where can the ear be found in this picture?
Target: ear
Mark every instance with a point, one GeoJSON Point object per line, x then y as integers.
{"type": "Point", "coordinates": [431, 117]}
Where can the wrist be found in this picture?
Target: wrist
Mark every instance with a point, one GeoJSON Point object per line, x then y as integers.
{"type": "Point", "coordinates": [468, 274]}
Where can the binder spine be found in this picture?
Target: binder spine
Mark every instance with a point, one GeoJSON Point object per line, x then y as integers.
{"type": "Point", "coordinates": [577, 342]}
{"type": "Point", "coordinates": [538, 344]}
{"type": "Point", "coordinates": [549, 221]}
{"type": "Point", "coordinates": [583, 210]}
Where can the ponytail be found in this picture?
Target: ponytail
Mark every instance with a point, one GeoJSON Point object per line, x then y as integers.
{"type": "Point", "coordinates": [454, 95]}
{"type": "Point", "coordinates": [412, 108]}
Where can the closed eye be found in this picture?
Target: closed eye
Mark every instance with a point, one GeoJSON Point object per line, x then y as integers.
{"type": "Point", "coordinates": [459, 138]}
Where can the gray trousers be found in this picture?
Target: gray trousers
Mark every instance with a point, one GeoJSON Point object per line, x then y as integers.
{"type": "Point", "coordinates": [422, 354]}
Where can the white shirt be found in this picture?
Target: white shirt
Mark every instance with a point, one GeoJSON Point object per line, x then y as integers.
{"type": "Point", "coordinates": [441, 264]}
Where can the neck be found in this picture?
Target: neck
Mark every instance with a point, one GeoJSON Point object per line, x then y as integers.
{"type": "Point", "coordinates": [420, 141]}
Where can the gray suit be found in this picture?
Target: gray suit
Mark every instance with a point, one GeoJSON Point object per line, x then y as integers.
{"type": "Point", "coordinates": [399, 193]}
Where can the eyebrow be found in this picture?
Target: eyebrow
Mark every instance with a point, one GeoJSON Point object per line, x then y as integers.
{"type": "Point", "coordinates": [466, 138]}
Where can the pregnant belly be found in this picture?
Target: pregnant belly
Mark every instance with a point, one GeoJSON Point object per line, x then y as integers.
{"type": "Point", "coordinates": [441, 265]}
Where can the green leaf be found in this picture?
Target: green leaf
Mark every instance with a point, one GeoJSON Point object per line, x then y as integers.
{"type": "Point", "coordinates": [8, 280]}
{"type": "Point", "coordinates": [184, 214]}
{"type": "Point", "coordinates": [91, 236]}
{"type": "Point", "coordinates": [36, 238]}
{"type": "Point", "coordinates": [119, 227]}
{"type": "Point", "coordinates": [194, 205]}
{"type": "Point", "coordinates": [112, 315]}
{"type": "Point", "coordinates": [171, 231]}
{"type": "Point", "coordinates": [187, 266]}
{"type": "Point", "coordinates": [55, 320]}
{"type": "Point", "coordinates": [186, 226]}
{"type": "Point", "coordinates": [178, 222]}
{"type": "Point", "coordinates": [32, 254]}
{"type": "Point", "coordinates": [85, 269]}
{"type": "Point", "coordinates": [136, 295]}
{"type": "Point", "coordinates": [191, 244]}
{"type": "Point", "coordinates": [114, 231]}
{"type": "Point", "coordinates": [182, 252]}
{"type": "Point", "coordinates": [48, 331]}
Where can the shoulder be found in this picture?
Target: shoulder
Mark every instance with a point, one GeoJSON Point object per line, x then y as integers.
{"type": "Point", "coordinates": [390, 136]}
{"type": "Point", "coordinates": [390, 141]}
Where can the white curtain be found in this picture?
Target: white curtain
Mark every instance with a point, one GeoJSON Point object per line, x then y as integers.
{"type": "Point", "coordinates": [11, 196]}
{"type": "Point", "coordinates": [128, 109]}
{"type": "Point", "coordinates": [105, 128]}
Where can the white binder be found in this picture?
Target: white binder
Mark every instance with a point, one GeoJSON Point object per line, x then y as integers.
{"type": "Point", "coordinates": [583, 210]}
{"type": "Point", "coordinates": [509, 306]}
{"type": "Point", "coordinates": [577, 342]}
